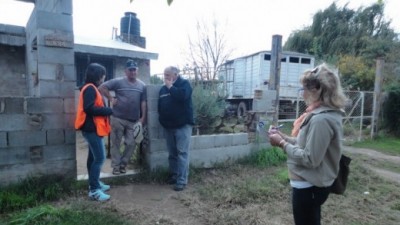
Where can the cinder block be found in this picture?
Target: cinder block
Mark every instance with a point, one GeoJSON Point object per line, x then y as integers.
{"type": "Point", "coordinates": [26, 138]}
{"type": "Point", "coordinates": [68, 89]}
{"type": "Point", "coordinates": [54, 21]}
{"type": "Point", "coordinates": [51, 55]}
{"type": "Point", "coordinates": [59, 152]}
{"type": "Point", "coordinates": [240, 139]}
{"type": "Point", "coordinates": [69, 119]}
{"type": "Point", "coordinates": [158, 145]}
{"type": "Point", "coordinates": [152, 119]}
{"type": "Point", "coordinates": [55, 137]}
{"type": "Point", "coordinates": [49, 88]}
{"type": "Point", "coordinates": [16, 155]}
{"type": "Point", "coordinates": [152, 105]}
{"type": "Point", "coordinates": [3, 139]}
{"type": "Point", "coordinates": [54, 121]}
{"type": "Point", "coordinates": [69, 105]}
{"type": "Point", "coordinates": [16, 122]}
{"type": "Point", "coordinates": [17, 172]}
{"type": "Point", "coordinates": [203, 142]}
{"type": "Point", "coordinates": [70, 136]}
{"type": "Point", "coordinates": [222, 140]}
{"type": "Point", "coordinates": [14, 105]}
{"type": "Point", "coordinates": [157, 160]}
{"type": "Point", "coordinates": [44, 105]}
{"type": "Point", "coordinates": [153, 91]}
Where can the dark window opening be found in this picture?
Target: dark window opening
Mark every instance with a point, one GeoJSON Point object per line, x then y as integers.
{"type": "Point", "coordinates": [283, 59]}
{"type": "Point", "coordinates": [82, 61]}
{"type": "Point", "coordinates": [267, 57]}
{"type": "Point", "coordinates": [305, 61]}
{"type": "Point", "coordinates": [294, 59]}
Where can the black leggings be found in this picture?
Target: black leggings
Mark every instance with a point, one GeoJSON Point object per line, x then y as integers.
{"type": "Point", "coordinates": [306, 203]}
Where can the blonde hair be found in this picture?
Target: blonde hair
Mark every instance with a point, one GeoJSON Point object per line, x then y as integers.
{"type": "Point", "coordinates": [324, 86]}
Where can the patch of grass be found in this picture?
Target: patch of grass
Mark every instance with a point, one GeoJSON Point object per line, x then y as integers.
{"type": "Point", "coordinates": [83, 215]}
{"type": "Point", "coordinates": [33, 191]}
{"type": "Point", "coordinates": [385, 144]}
{"type": "Point", "coordinates": [265, 158]}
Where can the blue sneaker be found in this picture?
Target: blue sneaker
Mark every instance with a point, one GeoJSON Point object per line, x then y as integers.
{"type": "Point", "coordinates": [98, 195]}
{"type": "Point", "coordinates": [104, 187]}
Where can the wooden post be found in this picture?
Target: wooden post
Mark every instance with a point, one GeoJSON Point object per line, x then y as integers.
{"type": "Point", "coordinates": [377, 97]}
{"type": "Point", "coordinates": [275, 71]}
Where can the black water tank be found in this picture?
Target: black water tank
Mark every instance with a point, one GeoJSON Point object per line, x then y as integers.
{"type": "Point", "coordinates": [130, 24]}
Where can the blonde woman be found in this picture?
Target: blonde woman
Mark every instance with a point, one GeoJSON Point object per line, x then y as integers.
{"type": "Point", "coordinates": [314, 147]}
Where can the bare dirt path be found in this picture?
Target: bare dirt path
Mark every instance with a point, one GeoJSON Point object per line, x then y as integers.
{"type": "Point", "coordinates": [375, 155]}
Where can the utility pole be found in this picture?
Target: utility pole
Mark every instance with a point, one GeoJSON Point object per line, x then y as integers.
{"type": "Point", "coordinates": [275, 71]}
{"type": "Point", "coordinates": [377, 96]}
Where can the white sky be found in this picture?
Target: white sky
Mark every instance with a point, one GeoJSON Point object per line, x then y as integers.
{"type": "Point", "coordinates": [248, 25]}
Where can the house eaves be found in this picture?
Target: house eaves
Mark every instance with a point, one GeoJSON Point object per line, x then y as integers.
{"type": "Point", "coordinates": [12, 35]}
{"type": "Point", "coordinates": [111, 48]}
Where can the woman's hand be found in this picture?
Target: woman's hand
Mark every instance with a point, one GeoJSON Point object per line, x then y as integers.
{"type": "Point", "coordinates": [277, 140]}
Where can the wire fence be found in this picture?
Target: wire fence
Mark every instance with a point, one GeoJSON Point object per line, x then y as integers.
{"type": "Point", "coordinates": [357, 119]}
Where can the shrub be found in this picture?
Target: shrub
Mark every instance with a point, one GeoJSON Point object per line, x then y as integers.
{"type": "Point", "coordinates": [391, 110]}
{"type": "Point", "coordinates": [208, 107]}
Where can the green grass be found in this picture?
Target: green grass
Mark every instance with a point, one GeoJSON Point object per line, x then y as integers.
{"type": "Point", "coordinates": [388, 145]}
{"type": "Point", "coordinates": [35, 190]}
{"type": "Point", "coordinates": [265, 158]}
{"type": "Point", "coordinates": [77, 214]}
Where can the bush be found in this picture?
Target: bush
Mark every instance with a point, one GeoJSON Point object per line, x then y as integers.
{"type": "Point", "coordinates": [391, 110]}
{"type": "Point", "coordinates": [208, 107]}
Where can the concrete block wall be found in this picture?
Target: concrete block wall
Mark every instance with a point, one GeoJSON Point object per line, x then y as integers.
{"type": "Point", "coordinates": [36, 138]}
{"type": "Point", "coordinates": [206, 150]}
{"type": "Point", "coordinates": [37, 135]}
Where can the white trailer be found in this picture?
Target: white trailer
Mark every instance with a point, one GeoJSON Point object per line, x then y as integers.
{"type": "Point", "coordinates": [242, 76]}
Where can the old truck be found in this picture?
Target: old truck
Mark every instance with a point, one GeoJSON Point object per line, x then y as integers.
{"type": "Point", "coordinates": [243, 75]}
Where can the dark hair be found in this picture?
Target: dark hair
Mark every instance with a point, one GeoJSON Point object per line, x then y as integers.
{"type": "Point", "coordinates": [94, 73]}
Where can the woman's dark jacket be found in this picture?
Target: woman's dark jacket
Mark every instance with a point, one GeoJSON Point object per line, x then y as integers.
{"type": "Point", "coordinates": [89, 96]}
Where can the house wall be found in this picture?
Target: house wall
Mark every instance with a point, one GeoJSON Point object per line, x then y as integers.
{"type": "Point", "coordinates": [37, 136]}
{"type": "Point", "coordinates": [13, 80]}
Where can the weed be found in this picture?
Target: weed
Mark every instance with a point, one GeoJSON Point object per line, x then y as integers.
{"type": "Point", "coordinates": [32, 191]}
{"type": "Point", "coordinates": [265, 158]}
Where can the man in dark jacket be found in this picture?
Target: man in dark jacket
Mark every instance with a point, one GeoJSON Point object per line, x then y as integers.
{"type": "Point", "coordinates": [176, 116]}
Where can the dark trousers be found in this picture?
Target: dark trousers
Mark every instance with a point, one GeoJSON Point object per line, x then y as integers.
{"type": "Point", "coordinates": [306, 203]}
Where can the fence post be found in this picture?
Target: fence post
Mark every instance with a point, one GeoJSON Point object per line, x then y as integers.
{"type": "Point", "coordinates": [377, 96]}
{"type": "Point", "coordinates": [275, 70]}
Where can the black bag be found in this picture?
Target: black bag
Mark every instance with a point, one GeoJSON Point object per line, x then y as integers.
{"type": "Point", "coordinates": [339, 185]}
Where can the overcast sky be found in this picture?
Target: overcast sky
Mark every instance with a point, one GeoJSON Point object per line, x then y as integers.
{"type": "Point", "coordinates": [247, 24]}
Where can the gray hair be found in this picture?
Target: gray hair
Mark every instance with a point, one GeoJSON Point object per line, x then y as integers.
{"type": "Point", "coordinates": [173, 70]}
{"type": "Point", "coordinates": [324, 85]}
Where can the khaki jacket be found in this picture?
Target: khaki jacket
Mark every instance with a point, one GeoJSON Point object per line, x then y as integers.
{"type": "Point", "coordinates": [315, 154]}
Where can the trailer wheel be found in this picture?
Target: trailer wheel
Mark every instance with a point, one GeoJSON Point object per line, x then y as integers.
{"type": "Point", "coordinates": [241, 110]}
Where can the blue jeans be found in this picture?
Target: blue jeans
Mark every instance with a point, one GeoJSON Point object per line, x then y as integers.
{"type": "Point", "coordinates": [96, 158]}
{"type": "Point", "coordinates": [306, 203]}
{"type": "Point", "coordinates": [178, 144]}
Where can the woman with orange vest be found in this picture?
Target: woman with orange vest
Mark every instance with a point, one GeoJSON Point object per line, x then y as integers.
{"type": "Point", "coordinates": [92, 119]}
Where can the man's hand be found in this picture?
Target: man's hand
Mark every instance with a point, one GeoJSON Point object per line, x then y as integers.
{"type": "Point", "coordinates": [168, 82]}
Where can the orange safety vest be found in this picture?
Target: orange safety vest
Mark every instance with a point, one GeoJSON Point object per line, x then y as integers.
{"type": "Point", "coordinates": [102, 123]}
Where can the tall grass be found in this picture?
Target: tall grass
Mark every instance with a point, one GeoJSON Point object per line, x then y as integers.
{"type": "Point", "coordinates": [33, 191]}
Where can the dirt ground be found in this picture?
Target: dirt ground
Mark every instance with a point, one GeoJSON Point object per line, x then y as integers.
{"type": "Point", "coordinates": [159, 204]}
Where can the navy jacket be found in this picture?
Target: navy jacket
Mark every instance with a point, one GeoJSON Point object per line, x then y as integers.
{"type": "Point", "coordinates": [175, 106]}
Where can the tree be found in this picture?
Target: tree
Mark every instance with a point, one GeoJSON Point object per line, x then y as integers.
{"type": "Point", "coordinates": [207, 50]}
{"type": "Point", "coordinates": [337, 34]}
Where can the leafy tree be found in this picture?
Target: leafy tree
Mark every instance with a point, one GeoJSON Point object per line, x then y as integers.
{"type": "Point", "coordinates": [339, 34]}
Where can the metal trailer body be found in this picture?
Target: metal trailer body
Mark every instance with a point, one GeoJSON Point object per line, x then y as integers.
{"type": "Point", "coordinates": [243, 75]}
